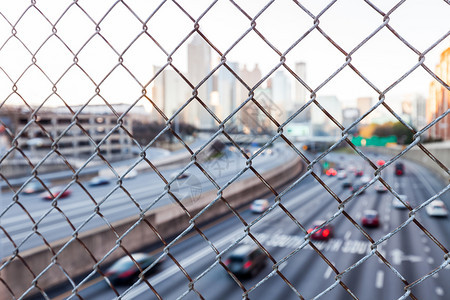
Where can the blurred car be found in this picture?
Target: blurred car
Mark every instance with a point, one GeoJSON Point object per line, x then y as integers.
{"type": "Point", "coordinates": [342, 174]}
{"type": "Point", "coordinates": [132, 174]}
{"type": "Point", "coordinates": [399, 169]}
{"type": "Point", "coordinates": [380, 188]}
{"type": "Point", "coordinates": [370, 218]}
{"type": "Point", "coordinates": [437, 209]}
{"type": "Point", "coordinates": [359, 173]}
{"type": "Point", "coordinates": [325, 233]}
{"type": "Point", "coordinates": [181, 176]}
{"type": "Point", "coordinates": [259, 206]}
{"type": "Point", "coordinates": [56, 191]}
{"type": "Point", "coordinates": [398, 204]}
{"type": "Point", "coordinates": [125, 270]}
{"type": "Point", "coordinates": [346, 184]}
{"type": "Point", "coordinates": [331, 172]}
{"type": "Point", "coordinates": [246, 260]}
{"type": "Point", "coordinates": [365, 179]}
{"type": "Point", "coordinates": [380, 162]}
{"type": "Point", "coordinates": [358, 186]}
{"type": "Point", "coordinates": [34, 186]}
{"type": "Point", "coordinates": [98, 180]}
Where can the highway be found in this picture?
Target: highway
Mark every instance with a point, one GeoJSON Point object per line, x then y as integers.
{"type": "Point", "coordinates": [409, 251]}
{"type": "Point", "coordinates": [114, 203]}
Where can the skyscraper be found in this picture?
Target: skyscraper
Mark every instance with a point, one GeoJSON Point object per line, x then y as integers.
{"type": "Point", "coordinates": [199, 66]}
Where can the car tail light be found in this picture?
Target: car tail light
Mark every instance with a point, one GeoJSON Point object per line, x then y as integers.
{"type": "Point", "coordinates": [309, 230]}
{"type": "Point", "coordinates": [247, 265]}
{"type": "Point", "coordinates": [326, 232]}
{"type": "Point", "coordinates": [126, 273]}
{"type": "Point", "coordinates": [364, 220]}
{"type": "Point", "coordinates": [227, 262]}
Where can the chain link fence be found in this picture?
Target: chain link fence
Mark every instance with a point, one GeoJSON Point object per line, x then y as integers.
{"type": "Point", "coordinates": [77, 75]}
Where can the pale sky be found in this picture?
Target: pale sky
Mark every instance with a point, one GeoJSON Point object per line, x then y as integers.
{"type": "Point", "coordinates": [383, 59]}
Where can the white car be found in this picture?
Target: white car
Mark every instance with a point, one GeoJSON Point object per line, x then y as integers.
{"type": "Point", "coordinates": [259, 206]}
{"type": "Point", "coordinates": [342, 174]}
{"type": "Point", "coordinates": [437, 209]}
{"type": "Point", "coordinates": [398, 204]}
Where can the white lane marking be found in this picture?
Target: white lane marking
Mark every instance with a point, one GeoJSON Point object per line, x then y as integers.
{"type": "Point", "coordinates": [347, 235]}
{"type": "Point", "coordinates": [282, 266]}
{"type": "Point", "coordinates": [436, 275]}
{"type": "Point", "coordinates": [439, 291]}
{"type": "Point", "coordinates": [328, 272]}
{"type": "Point", "coordinates": [426, 249]}
{"type": "Point", "coordinates": [430, 260]}
{"type": "Point", "coordinates": [379, 279]}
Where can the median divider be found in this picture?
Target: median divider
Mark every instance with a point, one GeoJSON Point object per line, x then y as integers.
{"type": "Point", "coordinates": [78, 257]}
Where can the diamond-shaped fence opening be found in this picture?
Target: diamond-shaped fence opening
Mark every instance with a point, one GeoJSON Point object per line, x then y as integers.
{"type": "Point", "coordinates": [224, 150]}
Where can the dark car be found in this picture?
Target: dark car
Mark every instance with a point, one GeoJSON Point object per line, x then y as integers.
{"type": "Point", "coordinates": [125, 270]}
{"type": "Point", "coordinates": [246, 260]}
{"type": "Point", "coordinates": [97, 181]}
{"type": "Point", "coordinates": [325, 233]}
{"type": "Point", "coordinates": [370, 218]}
{"type": "Point", "coordinates": [399, 169]}
{"type": "Point", "coordinates": [358, 186]}
{"type": "Point", "coordinates": [346, 184]}
{"type": "Point", "coordinates": [359, 173]}
{"type": "Point", "coordinates": [55, 192]}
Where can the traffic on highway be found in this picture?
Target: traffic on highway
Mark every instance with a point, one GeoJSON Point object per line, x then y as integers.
{"type": "Point", "coordinates": [265, 252]}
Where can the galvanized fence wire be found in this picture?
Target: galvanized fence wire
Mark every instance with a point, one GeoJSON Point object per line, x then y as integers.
{"type": "Point", "coordinates": [195, 161]}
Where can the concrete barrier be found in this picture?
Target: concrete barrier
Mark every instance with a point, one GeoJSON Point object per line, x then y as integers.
{"type": "Point", "coordinates": [440, 151]}
{"type": "Point", "coordinates": [79, 256]}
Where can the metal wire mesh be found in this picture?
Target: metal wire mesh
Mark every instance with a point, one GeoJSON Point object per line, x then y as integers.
{"type": "Point", "coordinates": [78, 48]}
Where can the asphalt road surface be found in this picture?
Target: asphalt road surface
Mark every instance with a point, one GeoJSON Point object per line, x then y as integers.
{"type": "Point", "coordinates": [138, 193]}
{"type": "Point", "coordinates": [410, 252]}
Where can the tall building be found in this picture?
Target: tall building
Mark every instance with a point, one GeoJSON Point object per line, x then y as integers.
{"type": "Point", "coordinates": [438, 101]}
{"type": "Point", "coordinates": [251, 78]}
{"type": "Point", "coordinates": [170, 92]}
{"type": "Point", "coordinates": [300, 94]}
{"type": "Point", "coordinates": [350, 115]}
{"type": "Point", "coordinates": [364, 104]}
{"type": "Point", "coordinates": [227, 89]}
{"type": "Point", "coordinates": [281, 93]}
{"type": "Point", "coordinates": [199, 66]}
{"type": "Point", "coordinates": [414, 106]}
{"type": "Point", "coordinates": [321, 123]}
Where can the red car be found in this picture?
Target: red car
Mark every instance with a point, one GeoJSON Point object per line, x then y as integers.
{"type": "Point", "coordinates": [325, 233]}
{"type": "Point", "coordinates": [370, 218]}
{"type": "Point", "coordinates": [56, 191]}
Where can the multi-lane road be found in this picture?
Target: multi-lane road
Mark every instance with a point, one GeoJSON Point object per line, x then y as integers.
{"type": "Point", "coordinates": [410, 252]}
{"type": "Point", "coordinates": [114, 203]}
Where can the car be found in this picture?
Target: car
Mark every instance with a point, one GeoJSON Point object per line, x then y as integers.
{"type": "Point", "coordinates": [325, 233]}
{"type": "Point", "coordinates": [365, 179]}
{"type": "Point", "coordinates": [359, 173]}
{"type": "Point", "coordinates": [342, 174]}
{"type": "Point", "coordinates": [98, 180]}
{"type": "Point", "coordinates": [346, 184]}
{"type": "Point", "coordinates": [399, 169]}
{"type": "Point", "coordinates": [370, 218]}
{"type": "Point", "coordinates": [55, 192]}
{"type": "Point", "coordinates": [259, 206]}
{"type": "Point", "coordinates": [125, 270]}
{"type": "Point", "coordinates": [380, 188]}
{"type": "Point", "coordinates": [358, 186]}
{"type": "Point", "coordinates": [180, 176]}
{"type": "Point", "coordinates": [331, 172]}
{"type": "Point", "coordinates": [437, 209]}
{"type": "Point", "coordinates": [34, 187]}
{"type": "Point", "coordinates": [246, 261]}
{"type": "Point", "coordinates": [398, 204]}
